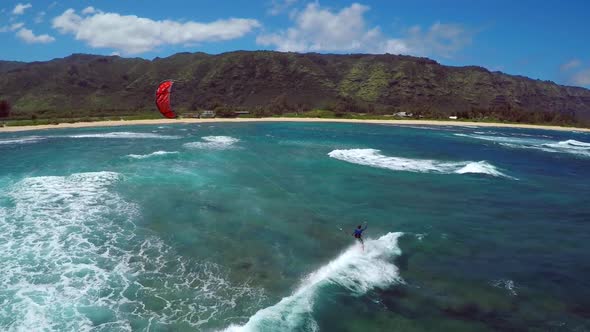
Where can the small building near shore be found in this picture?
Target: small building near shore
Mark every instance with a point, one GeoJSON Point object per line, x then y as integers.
{"type": "Point", "coordinates": [403, 114]}
{"type": "Point", "coordinates": [207, 114]}
{"type": "Point", "coordinates": [453, 117]}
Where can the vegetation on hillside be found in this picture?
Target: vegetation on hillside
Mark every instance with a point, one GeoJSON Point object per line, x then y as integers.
{"type": "Point", "coordinates": [274, 83]}
{"type": "Point", "coordinates": [4, 108]}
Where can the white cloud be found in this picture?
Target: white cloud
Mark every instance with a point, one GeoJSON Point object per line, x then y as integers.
{"type": "Point", "coordinates": [319, 29]}
{"type": "Point", "coordinates": [89, 10]}
{"type": "Point", "coordinates": [16, 26]}
{"type": "Point", "coordinates": [279, 6]}
{"type": "Point", "coordinates": [582, 78]}
{"type": "Point", "coordinates": [440, 39]}
{"type": "Point", "coordinates": [131, 34]}
{"type": "Point", "coordinates": [20, 8]}
{"type": "Point", "coordinates": [29, 37]}
{"type": "Point", "coordinates": [12, 27]}
{"type": "Point", "coordinates": [40, 17]}
{"type": "Point", "coordinates": [574, 63]}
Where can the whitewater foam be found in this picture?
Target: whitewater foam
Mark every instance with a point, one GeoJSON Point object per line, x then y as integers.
{"type": "Point", "coordinates": [124, 135]}
{"type": "Point", "coordinates": [480, 167]}
{"type": "Point", "coordinates": [213, 143]}
{"type": "Point", "coordinates": [570, 146]}
{"type": "Point", "coordinates": [71, 253]}
{"type": "Point", "coordinates": [354, 270]}
{"type": "Point", "coordinates": [420, 236]}
{"type": "Point", "coordinates": [505, 284]}
{"type": "Point", "coordinates": [543, 144]}
{"type": "Point", "coordinates": [576, 143]}
{"type": "Point", "coordinates": [424, 127]}
{"type": "Point", "coordinates": [23, 140]}
{"type": "Point", "coordinates": [500, 139]}
{"type": "Point", "coordinates": [373, 158]}
{"type": "Point", "coordinates": [153, 154]}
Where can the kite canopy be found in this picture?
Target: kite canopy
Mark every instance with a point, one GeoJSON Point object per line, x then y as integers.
{"type": "Point", "coordinates": [163, 99]}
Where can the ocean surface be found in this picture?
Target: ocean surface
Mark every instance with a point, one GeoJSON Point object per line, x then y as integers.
{"type": "Point", "coordinates": [246, 227]}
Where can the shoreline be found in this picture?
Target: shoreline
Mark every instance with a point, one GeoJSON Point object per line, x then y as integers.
{"type": "Point", "coordinates": [242, 120]}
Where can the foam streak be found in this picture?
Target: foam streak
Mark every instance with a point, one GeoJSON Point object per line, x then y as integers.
{"type": "Point", "coordinates": [153, 154]}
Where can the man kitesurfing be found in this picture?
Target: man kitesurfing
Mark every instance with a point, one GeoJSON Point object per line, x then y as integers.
{"type": "Point", "coordinates": [358, 234]}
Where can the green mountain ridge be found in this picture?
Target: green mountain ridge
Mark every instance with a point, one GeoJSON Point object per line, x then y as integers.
{"type": "Point", "coordinates": [83, 85]}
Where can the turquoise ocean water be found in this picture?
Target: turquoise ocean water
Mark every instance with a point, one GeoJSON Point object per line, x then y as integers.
{"type": "Point", "coordinates": [237, 227]}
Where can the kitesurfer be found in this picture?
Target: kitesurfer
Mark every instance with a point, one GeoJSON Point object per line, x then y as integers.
{"type": "Point", "coordinates": [358, 234]}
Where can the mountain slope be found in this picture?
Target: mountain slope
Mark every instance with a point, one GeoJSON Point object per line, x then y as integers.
{"type": "Point", "coordinates": [83, 84]}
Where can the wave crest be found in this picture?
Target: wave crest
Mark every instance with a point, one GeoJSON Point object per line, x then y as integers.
{"type": "Point", "coordinates": [125, 135]}
{"type": "Point", "coordinates": [569, 146]}
{"type": "Point", "coordinates": [213, 143]}
{"type": "Point", "coordinates": [153, 154]}
{"type": "Point", "coordinates": [23, 140]}
{"type": "Point", "coordinates": [373, 158]}
{"type": "Point", "coordinates": [354, 270]}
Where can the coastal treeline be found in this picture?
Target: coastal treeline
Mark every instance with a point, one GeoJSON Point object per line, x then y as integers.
{"type": "Point", "coordinates": [349, 108]}
{"type": "Point", "coordinates": [344, 108]}
{"type": "Point", "coordinates": [4, 108]}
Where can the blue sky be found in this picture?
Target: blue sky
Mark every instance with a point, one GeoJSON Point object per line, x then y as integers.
{"type": "Point", "coordinates": [545, 40]}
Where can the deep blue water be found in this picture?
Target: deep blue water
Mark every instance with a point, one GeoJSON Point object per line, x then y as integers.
{"type": "Point", "coordinates": [238, 226]}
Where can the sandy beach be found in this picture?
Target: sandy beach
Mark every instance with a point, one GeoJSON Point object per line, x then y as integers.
{"type": "Point", "coordinates": [218, 120]}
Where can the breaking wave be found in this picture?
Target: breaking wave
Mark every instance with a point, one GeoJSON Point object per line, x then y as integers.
{"type": "Point", "coordinates": [568, 146]}
{"type": "Point", "coordinates": [373, 158]}
{"type": "Point", "coordinates": [355, 271]}
{"type": "Point", "coordinates": [213, 143]}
